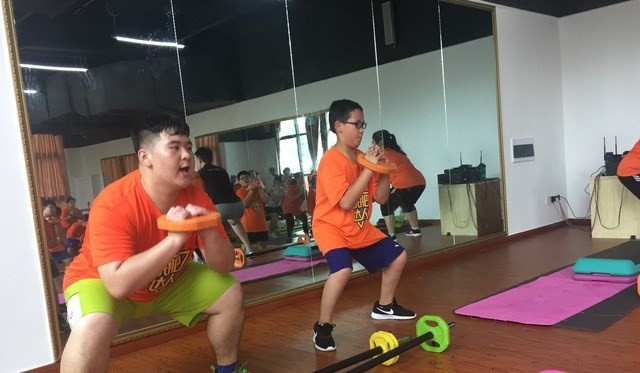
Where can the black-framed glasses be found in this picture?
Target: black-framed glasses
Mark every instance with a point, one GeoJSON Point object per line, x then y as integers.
{"type": "Point", "coordinates": [358, 125]}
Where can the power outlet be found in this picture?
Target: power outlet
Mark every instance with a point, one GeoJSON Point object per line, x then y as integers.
{"type": "Point", "coordinates": [547, 200]}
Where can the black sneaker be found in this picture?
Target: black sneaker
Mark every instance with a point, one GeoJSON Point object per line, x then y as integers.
{"type": "Point", "coordinates": [322, 337]}
{"type": "Point", "coordinates": [393, 237]}
{"type": "Point", "coordinates": [392, 311]}
{"type": "Point", "coordinates": [414, 233]}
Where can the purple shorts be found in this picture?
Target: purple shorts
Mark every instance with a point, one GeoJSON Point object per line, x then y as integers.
{"type": "Point", "coordinates": [373, 258]}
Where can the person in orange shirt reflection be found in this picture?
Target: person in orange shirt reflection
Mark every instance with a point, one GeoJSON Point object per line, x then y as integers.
{"type": "Point", "coordinates": [70, 214]}
{"type": "Point", "coordinates": [75, 235]}
{"type": "Point", "coordinates": [408, 185]}
{"type": "Point", "coordinates": [253, 196]}
{"type": "Point", "coordinates": [629, 170]}
{"type": "Point", "coordinates": [292, 205]}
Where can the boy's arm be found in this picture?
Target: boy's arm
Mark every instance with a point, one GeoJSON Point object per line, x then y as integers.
{"type": "Point", "coordinates": [122, 278]}
{"type": "Point", "coordinates": [383, 189]}
{"type": "Point", "coordinates": [354, 192]}
{"type": "Point", "coordinates": [263, 196]}
{"type": "Point", "coordinates": [218, 251]}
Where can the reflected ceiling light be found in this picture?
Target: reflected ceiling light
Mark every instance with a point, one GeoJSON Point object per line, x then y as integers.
{"type": "Point", "coordinates": [53, 68]}
{"type": "Point", "coordinates": [30, 91]}
{"type": "Point", "coordinates": [149, 42]}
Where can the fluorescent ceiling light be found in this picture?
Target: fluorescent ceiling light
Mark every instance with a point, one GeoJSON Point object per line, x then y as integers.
{"type": "Point", "coordinates": [149, 42]}
{"type": "Point", "coordinates": [53, 68]}
{"type": "Point", "coordinates": [30, 91]}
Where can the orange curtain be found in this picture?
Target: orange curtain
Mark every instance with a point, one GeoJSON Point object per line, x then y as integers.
{"type": "Point", "coordinates": [114, 168]}
{"type": "Point", "coordinates": [211, 142]}
{"type": "Point", "coordinates": [50, 166]}
{"type": "Point", "coordinates": [130, 162]}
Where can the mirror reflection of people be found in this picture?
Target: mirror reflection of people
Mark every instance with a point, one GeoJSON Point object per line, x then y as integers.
{"type": "Point", "coordinates": [253, 196]}
{"type": "Point", "coordinates": [75, 235]}
{"type": "Point", "coordinates": [273, 207]}
{"type": "Point", "coordinates": [59, 258]}
{"type": "Point", "coordinates": [408, 184]}
{"type": "Point", "coordinates": [292, 205]}
{"type": "Point", "coordinates": [218, 185]}
{"type": "Point", "coordinates": [129, 268]}
{"type": "Point", "coordinates": [70, 213]}
{"type": "Point", "coordinates": [629, 170]}
{"type": "Point", "coordinates": [345, 192]}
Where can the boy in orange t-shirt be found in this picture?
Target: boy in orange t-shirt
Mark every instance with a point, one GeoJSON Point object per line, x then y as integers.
{"type": "Point", "coordinates": [254, 220]}
{"type": "Point", "coordinates": [344, 196]}
{"type": "Point", "coordinates": [629, 170]}
{"type": "Point", "coordinates": [75, 235]}
{"type": "Point", "coordinates": [128, 267]}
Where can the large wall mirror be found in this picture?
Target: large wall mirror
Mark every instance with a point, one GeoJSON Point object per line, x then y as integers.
{"type": "Point", "coordinates": [255, 80]}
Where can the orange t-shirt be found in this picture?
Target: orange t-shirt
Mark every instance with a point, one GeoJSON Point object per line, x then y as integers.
{"type": "Point", "coordinates": [311, 200]}
{"type": "Point", "coordinates": [254, 218]}
{"type": "Point", "coordinates": [64, 214]}
{"type": "Point", "coordinates": [123, 223]}
{"type": "Point", "coordinates": [292, 201]}
{"type": "Point", "coordinates": [332, 226]}
{"type": "Point", "coordinates": [630, 163]}
{"type": "Point", "coordinates": [407, 175]}
{"type": "Point", "coordinates": [53, 243]}
{"type": "Point", "coordinates": [76, 230]}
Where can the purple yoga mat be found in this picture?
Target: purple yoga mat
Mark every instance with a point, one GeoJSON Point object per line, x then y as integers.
{"type": "Point", "coordinates": [278, 268]}
{"type": "Point", "coordinates": [544, 301]}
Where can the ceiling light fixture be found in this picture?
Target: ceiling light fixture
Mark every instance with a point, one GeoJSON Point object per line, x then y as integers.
{"type": "Point", "coordinates": [149, 42]}
{"type": "Point", "coordinates": [30, 91]}
{"type": "Point", "coordinates": [53, 68]}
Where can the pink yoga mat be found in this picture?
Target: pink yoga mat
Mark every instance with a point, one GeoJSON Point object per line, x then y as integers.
{"type": "Point", "coordinates": [274, 269]}
{"type": "Point", "coordinates": [544, 301]}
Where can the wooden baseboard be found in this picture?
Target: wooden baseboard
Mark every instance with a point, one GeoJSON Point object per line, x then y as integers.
{"type": "Point", "coordinates": [316, 293]}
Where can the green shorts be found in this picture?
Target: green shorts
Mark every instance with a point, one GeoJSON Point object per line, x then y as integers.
{"type": "Point", "coordinates": [197, 288]}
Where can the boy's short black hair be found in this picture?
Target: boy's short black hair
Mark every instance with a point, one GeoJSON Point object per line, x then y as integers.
{"type": "Point", "coordinates": [340, 111]}
{"type": "Point", "coordinates": [205, 154]}
{"type": "Point", "coordinates": [149, 126]}
{"type": "Point", "coordinates": [47, 202]}
{"type": "Point", "coordinates": [243, 173]}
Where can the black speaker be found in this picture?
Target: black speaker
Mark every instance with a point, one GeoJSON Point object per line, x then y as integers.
{"type": "Point", "coordinates": [387, 23]}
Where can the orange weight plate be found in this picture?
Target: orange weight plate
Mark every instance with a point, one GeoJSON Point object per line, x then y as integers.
{"type": "Point", "coordinates": [191, 224]}
{"type": "Point", "coordinates": [382, 167]}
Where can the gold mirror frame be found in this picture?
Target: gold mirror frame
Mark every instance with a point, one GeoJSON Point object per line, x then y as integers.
{"type": "Point", "coordinates": [25, 133]}
{"type": "Point", "coordinates": [171, 325]}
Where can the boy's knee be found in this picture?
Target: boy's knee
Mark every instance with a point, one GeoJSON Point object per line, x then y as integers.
{"type": "Point", "coordinates": [344, 274]}
{"type": "Point", "coordinates": [96, 326]}
{"type": "Point", "coordinates": [401, 259]}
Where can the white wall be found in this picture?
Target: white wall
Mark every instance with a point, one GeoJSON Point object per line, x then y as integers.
{"type": "Point", "coordinates": [531, 101]}
{"type": "Point", "coordinates": [601, 90]}
{"type": "Point", "coordinates": [26, 340]}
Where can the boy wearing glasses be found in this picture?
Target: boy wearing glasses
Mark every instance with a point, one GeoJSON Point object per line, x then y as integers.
{"type": "Point", "coordinates": [344, 195]}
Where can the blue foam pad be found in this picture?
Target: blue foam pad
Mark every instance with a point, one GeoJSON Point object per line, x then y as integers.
{"type": "Point", "coordinates": [302, 250]}
{"type": "Point", "coordinates": [613, 267]}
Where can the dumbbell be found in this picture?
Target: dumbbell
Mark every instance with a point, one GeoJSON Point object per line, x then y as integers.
{"type": "Point", "coordinates": [381, 167]}
{"type": "Point", "coordinates": [196, 223]}
{"type": "Point", "coordinates": [385, 348]}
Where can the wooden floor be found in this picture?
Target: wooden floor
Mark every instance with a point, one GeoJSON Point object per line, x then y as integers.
{"type": "Point", "coordinates": [280, 340]}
